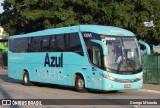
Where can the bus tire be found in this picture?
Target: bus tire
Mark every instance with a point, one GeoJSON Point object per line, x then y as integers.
{"type": "Point", "coordinates": [80, 84]}
{"type": "Point", "coordinates": [26, 80]}
{"type": "Point", "coordinates": [114, 91]}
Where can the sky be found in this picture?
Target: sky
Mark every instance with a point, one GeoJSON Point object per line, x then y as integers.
{"type": "Point", "coordinates": [1, 8]}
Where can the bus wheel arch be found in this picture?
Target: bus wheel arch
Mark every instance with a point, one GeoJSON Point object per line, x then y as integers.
{"type": "Point", "coordinates": [80, 82]}
{"type": "Point", "coordinates": [26, 78]}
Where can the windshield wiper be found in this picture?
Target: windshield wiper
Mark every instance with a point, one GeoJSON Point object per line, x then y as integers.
{"type": "Point", "coordinates": [128, 61]}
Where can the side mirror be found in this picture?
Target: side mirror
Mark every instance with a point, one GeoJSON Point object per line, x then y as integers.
{"type": "Point", "coordinates": [146, 45]}
{"type": "Point", "coordinates": [103, 45]}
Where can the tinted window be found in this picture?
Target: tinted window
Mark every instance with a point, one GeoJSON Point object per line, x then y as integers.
{"type": "Point", "coordinates": [36, 44]}
{"type": "Point", "coordinates": [12, 46]}
{"type": "Point", "coordinates": [19, 44]}
{"type": "Point", "coordinates": [45, 41]}
{"type": "Point", "coordinates": [75, 44]}
{"type": "Point", "coordinates": [40, 44]}
{"type": "Point", "coordinates": [96, 59]}
{"type": "Point", "coordinates": [53, 44]}
{"type": "Point", "coordinates": [60, 43]}
{"type": "Point", "coordinates": [67, 37]}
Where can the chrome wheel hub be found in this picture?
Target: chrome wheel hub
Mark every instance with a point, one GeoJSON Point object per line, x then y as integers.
{"type": "Point", "coordinates": [25, 78]}
{"type": "Point", "coordinates": [80, 83]}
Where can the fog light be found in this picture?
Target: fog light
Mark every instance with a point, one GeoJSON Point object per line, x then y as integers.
{"type": "Point", "coordinates": [110, 85]}
{"type": "Point", "coordinates": [140, 85]}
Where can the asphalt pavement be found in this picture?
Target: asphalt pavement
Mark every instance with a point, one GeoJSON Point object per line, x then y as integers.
{"type": "Point", "coordinates": [13, 89]}
{"type": "Point", "coordinates": [153, 88]}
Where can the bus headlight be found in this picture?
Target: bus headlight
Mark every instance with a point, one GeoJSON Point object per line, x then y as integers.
{"type": "Point", "coordinates": [121, 80]}
{"type": "Point", "coordinates": [108, 77]}
{"type": "Point", "coordinates": [111, 78]}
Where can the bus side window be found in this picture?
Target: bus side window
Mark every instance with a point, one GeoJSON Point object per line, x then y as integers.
{"type": "Point", "coordinates": [23, 45]}
{"type": "Point", "coordinates": [53, 43]}
{"type": "Point", "coordinates": [18, 45]}
{"type": "Point", "coordinates": [45, 43]}
{"type": "Point", "coordinates": [74, 44]}
{"type": "Point", "coordinates": [60, 43]}
{"type": "Point", "coordinates": [96, 56]}
{"type": "Point", "coordinates": [35, 44]}
{"type": "Point", "coordinates": [89, 49]}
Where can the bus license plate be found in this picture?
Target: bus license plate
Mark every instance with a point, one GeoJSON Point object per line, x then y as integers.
{"type": "Point", "coordinates": [127, 86]}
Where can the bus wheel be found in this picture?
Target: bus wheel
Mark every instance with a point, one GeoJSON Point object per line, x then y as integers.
{"type": "Point", "coordinates": [80, 84]}
{"type": "Point", "coordinates": [114, 91]}
{"type": "Point", "coordinates": [26, 80]}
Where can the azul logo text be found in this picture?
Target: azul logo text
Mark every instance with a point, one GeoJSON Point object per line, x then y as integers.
{"type": "Point", "coordinates": [53, 61]}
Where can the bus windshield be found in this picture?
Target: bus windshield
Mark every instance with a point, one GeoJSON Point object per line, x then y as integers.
{"type": "Point", "coordinates": [123, 55]}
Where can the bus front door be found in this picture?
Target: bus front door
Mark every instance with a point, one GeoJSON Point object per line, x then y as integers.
{"type": "Point", "coordinates": [95, 79]}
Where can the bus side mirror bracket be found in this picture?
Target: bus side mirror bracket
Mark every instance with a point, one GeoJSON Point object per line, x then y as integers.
{"type": "Point", "coordinates": [103, 45]}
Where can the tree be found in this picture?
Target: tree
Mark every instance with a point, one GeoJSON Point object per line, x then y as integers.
{"type": "Point", "coordinates": [23, 16]}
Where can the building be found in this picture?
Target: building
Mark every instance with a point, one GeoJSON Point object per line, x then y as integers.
{"type": "Point", "coordinates": [1, 32]}
{"type": "Point", "coordinates": [156, 49]}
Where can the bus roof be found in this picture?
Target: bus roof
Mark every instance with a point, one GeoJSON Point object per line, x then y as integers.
{"type": "Point", "coordinates": [99, 29]}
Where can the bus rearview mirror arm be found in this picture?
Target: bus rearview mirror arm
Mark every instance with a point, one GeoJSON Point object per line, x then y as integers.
{"type": "Point", "coordinates": [103, 45]}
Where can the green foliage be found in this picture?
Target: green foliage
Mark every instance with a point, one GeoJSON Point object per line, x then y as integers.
{"type": "Point", "coordinates": [155, 54]}
{"type": "Point", "coordinates": [4, 47]}
{"type": "Point", "coordinates": [23, 16]}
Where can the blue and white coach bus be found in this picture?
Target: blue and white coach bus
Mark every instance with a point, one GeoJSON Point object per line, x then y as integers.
{"type": "Point", "coordinates": [85, 56]}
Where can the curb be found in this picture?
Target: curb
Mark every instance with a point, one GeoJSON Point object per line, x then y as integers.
{"type": "Point", "coordinates": [149, 91]}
